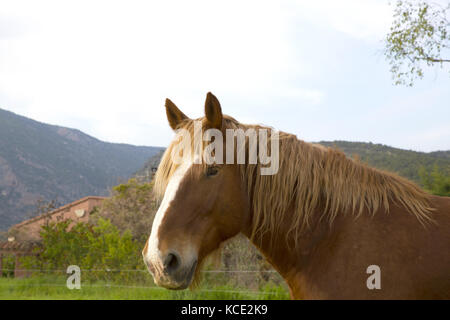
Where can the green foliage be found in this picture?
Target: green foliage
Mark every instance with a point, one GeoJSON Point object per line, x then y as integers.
{"type": "Point", "coordinates": [131, 207]}
{"type": "Point", "coordinates": [419, 34]}
{"type": "Point", "coordinates": [99, 249]}
{"type": "Point", "coordinates": [9, 262]}
{"type": "Point", "coordinates": [62, 247]}
{"type": "Point", "coordinates": [110, 249]}
{"type": "Point", "coordinates": [435, 182]}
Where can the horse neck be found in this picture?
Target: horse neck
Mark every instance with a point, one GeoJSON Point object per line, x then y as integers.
{"type": "Point", "coordinates": [291, 258]}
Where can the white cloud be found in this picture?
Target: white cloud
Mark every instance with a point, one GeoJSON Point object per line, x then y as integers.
{"type": "Point", "coordinates": [117, 61]}
{"type": "Point", "coordinates": [368, 20]}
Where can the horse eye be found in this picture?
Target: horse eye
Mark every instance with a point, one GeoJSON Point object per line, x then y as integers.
{"type": "Point", "coordinates": [211, 171]}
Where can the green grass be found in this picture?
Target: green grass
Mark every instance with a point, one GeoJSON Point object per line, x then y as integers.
{"type": "Point", "coordinates": [54, 288]}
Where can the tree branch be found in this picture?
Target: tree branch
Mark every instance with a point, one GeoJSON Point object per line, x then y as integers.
{"type": "Point", "coordinates": [435, 60]}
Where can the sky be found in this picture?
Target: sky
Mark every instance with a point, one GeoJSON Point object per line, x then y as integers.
{"type": "Point", "coordinates": [312, 68]}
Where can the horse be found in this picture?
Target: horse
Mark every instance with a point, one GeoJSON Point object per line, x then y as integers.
{"type": "Point", "coordinates": [331, 226]}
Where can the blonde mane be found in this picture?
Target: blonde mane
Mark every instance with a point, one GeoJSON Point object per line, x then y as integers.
{"type": "Point", "coordinates": [311, 177]}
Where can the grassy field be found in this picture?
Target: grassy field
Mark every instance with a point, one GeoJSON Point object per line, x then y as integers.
{"type": "Point", "coordinates": [54, 288]}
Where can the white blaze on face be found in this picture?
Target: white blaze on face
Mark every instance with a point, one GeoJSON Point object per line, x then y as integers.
{"type": "Point", "coordinates": [153, 254]}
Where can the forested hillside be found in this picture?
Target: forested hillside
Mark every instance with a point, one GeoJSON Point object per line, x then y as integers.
{"type": "Point", "coordinates": [407, 163]}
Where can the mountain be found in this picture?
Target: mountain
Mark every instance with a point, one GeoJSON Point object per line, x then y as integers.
{"type": "Point", "coordinates": [145, 174]}
{"type": "Point", "coordinates": [38, 160]}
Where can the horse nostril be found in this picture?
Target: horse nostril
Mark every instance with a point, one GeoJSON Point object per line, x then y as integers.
{"type": "Point", "coordinates": [171, 262]}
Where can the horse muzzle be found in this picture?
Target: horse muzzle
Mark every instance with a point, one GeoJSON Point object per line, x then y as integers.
{"type": "Point", "coordinates": [171, 272]}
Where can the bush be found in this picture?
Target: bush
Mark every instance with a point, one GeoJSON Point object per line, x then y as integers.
{"type": "Point", "coordinates": [436, 182]}
{"type": "Point", "coordinates": [131, 207]}
{"type": "Point", "coordinates": [101, 250]}
{"type": "Point", "coordinates": [9, 263]}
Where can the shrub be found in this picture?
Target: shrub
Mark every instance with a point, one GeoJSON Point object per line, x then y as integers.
{"type": "Point", "coordinates": [100, 250]}
{"type": "Point", "coordinates": [132, 206]}
{"type": "Point", "coordinates": [9, 262]}
{"type": "Point", "coordinates": [436, 182]}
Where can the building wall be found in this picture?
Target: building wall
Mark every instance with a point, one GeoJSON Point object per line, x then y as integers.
{"type": "Point", "coordinates": [77, 211]}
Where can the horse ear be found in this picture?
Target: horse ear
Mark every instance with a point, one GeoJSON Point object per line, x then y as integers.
{"type": "Point", "coordinates": [213, 111]}
{"type": "Point", "coordinates": [174, 115]}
